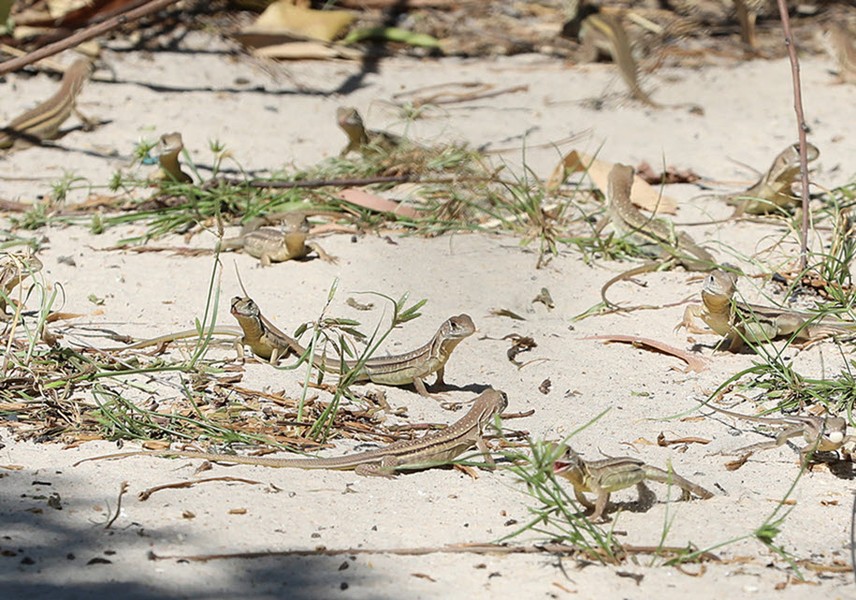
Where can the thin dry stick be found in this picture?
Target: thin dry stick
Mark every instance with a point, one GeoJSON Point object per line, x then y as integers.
{"type": "Point", "coordinates": [82, 36]}
{"type": "Point", "coordinates": [801, 126]}
{"type": "Point", "coordinates": [123, 487]}
{"type": "Point", "coordinates": [853, 537]}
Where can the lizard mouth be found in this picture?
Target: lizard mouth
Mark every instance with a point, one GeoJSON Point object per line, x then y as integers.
{"type": "Point", "coordinates": [560, 466]}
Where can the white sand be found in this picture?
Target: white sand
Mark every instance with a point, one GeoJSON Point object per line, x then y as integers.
{"type": "Point", "coordinates": [748, 117]}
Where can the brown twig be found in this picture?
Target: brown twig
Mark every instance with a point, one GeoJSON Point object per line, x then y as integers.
{"type": "Point", "coordinates": [146, 494]}
{"type": "Point", "coordinates": [695, 363]}
{"type": "Point", "coordinates": [801, 126]}
{"type": "Point", "coordinates": [123, 487]}
{"type": "Point", "coordinates": [551, 548]}
{"type": "Point", "coordinates": [84, 35]}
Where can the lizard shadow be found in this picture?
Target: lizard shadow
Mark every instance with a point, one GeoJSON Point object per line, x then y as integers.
{"type": "Point", "coordinates": [475, 388]}
{"type": "Point", "coordinates": [721, 347]}
{"type": "Point", "coordinates": [840, 468]}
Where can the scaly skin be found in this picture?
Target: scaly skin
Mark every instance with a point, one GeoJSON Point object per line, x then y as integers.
{"type": "Point", "coordinates": [361, 139]}
{"type": "Point", "coordinates": [604, 32]}
{"type": "Point", "coordinates": [821, 434]}
{"type": "Point", "coordinates": [773, 191]}
{"type": "Point", "coordinates": [268, 342]}
{"type": "Point", "coordinates": [651, 233]}
{"type": "Point", "coordinates": [841, 47]}
{"type": "Point", "coordinates": [167, 150]}
{"type": "Point", "coordinates": [271, 245]}
{"type": "Point", "coordinates": [602, 477]}
{"type": "Point", "coordinates": [434, 449]}
{"type": "Point", "coordinates": [739, 321]}
{"type": "Point", "coordinates": [43, 121]}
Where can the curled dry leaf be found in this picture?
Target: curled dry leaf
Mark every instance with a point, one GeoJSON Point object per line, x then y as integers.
{"type": "Point", "coordinates": [285, 18]}
{"type": "Point", "coordinates": [662, 441]}
{"type": "Point", "coordinates": [697, 364]}
{"type": "Point", "coordinates": [642, 194]}
{"type": "Point", "coordinates": [374, 202]}
{"type": "Point", "coordinates": [519, 344]}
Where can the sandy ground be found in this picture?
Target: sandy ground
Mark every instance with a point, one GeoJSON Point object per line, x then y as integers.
{"type": "Point", "coordinates": [270, 122]}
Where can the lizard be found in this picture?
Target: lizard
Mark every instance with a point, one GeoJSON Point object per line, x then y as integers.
{"type": "Point", "coordinates": [180, 335]}
{"type": "Point", "coordinates": [747, 14]}
{"type": "Point", "coordinates": [603, 32]}
{"type": "Point", "coordinates": [741, 322]}
{"type": "Point", "coordinates": [431, 450]}
{"type": "Point", "coordinates": [602, 477]}
{"type": "Point", "coordinates": [359, 138]}
{"type": "Point", "coordinates": [271, 245]}
{"type": "Point", "coordinates": [774, 189]}
{"type": "Point", "coordinates": [43, 121]}
{"type": "Point", "coordinates": [822, 434]}
{"type": "Point", "coordinates": [14, 269]}
{"type": "Point", "coordinates": [839, 43]}
{"type": "Point", "coordinates": [269, 343]}
{"type": "Point", "coordinates": [169, 147]}
{"type": "Point", "coordinates": [651, 233]}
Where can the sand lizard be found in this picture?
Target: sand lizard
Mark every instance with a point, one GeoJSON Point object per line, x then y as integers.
{"type": "Point", "coordinates": [167, 150]}
{"type": "Point", "coordinates": [431, 450]}
{"type": "Point", "coordinates": [14, 269]}
{"type": "Point", "coordinates": [657, 236]}
{"type": "Point", "coordinates": [821, 433]}
{"type": "Point", "coordinates": [773, 190]}
{"type": "Point", "coordinates": [270, 343]}
{"type": "Point", "coordinates": [361, 139]}
{"type": "Point", "coordinates": [839, 42]}
{"type": "Point", "coordinates": [602, 477]}
{"type": "Point", "coordinates": [740, 322]}
{"type": "Point", "coordinates": [271, 245]}
{"type": "Point", "coordinates": [43, 121]}
{"type": "Point", "coordinates": [603, 32]}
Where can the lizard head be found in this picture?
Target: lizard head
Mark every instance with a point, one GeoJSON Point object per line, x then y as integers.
{"type": "Point", "coordinates": [244, 307]}
{"type": "Point", "coordinates": [502, 404]}
{"type": "Point", "coordinates": [568, 465]}
{"type": "Point", "coordinates": [169, 144]}
{"type": "Point", "coordinates": [350, 120]}
{"type": "Point", "coordinates": [718, 286]}
{"type": "Point", "coordinates": [457, 327]}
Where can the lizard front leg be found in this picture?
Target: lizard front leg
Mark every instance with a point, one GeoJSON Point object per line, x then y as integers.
{"type": "Point", "coordinates": [691, 314]}
{"type": "Point", "coordinates": [322, 254]}
{"type": "Point", "coordinates": [482, 446]}
{"type": "Point", "coordinates": [585, 502]}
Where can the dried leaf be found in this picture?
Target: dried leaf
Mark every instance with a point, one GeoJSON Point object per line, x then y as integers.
{"type": "Point", "coordinates": [306, 51]}
{"type": "Point", "coordinates": [57, 9]}
{"type": "Point", "coordinates": [504, 312]}
{"type": "Point", "coordinates": [520, 343]}
{"type": "Point", "coordinates": [735, 464]}
{"type": "Point", "coordinates": [283, 17]}
{"type": "Point", "coordinates": [544, 298]}
{"type": "Point", "coordinates": [695, 363]}
{"type": "Point", "coordinates": [642, 194]}
{"type": "Point", "coordinates": [374, 202]}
